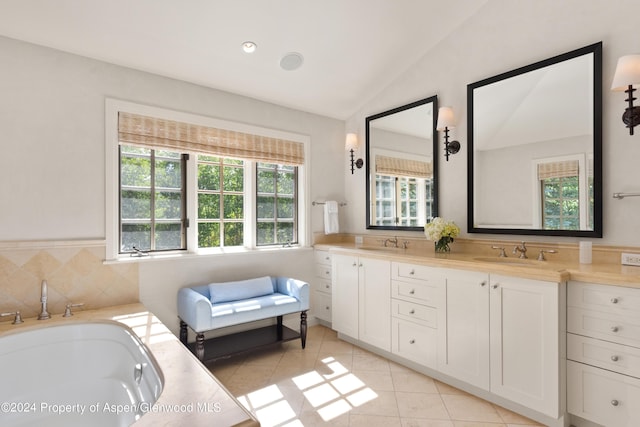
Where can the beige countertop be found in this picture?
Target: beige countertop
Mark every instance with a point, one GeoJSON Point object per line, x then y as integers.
{"type": "Point", "coordinates": [187, 382]}
{"type": "Point", "coordinates": [603, 273]}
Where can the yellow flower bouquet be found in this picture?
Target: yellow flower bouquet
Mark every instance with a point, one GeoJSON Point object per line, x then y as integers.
{"type": "Point", "coordinates": [442, 233]}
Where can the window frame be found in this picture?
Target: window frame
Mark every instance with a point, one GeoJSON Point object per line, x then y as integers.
{"type": "Point", "coordinates": [276, 217]}
{"type": "Point", "coordinates": [112, 181]}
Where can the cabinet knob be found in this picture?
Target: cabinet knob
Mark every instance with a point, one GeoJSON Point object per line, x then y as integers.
{"type": "Point", "coordinates": [412, 311]}
{"type": "Point", "coordinates": [355, 264]}
{"type": "Point", "coordinates": [360, 265]}
{"type": "Point", "coordinates": [614, 300]}
{"type": "Point", "coordinates": [326, 308]}
{"type": "Point", "coordinates": [412, 341]}
{"type": "Point", "coordinates": [412, 272]}
{"type": "Point", "coordinates": [327, 272]}
{"type": "Point", "coordinates": [327, 258]}
{"type": "Point", "coordinates": [615, 358]}
{"type": "Point", "coordinates": [495, 286]}
{"type": "Point", "coordinates": [614, 402]}
{"type": "Point", "coordinates": [483, 284]}
{"type": "Point", "coordinates": [615, 329]}
{"type": "Point", "coordinates": [412, 291]}
{"type": "Point", "coordinates": [327, 286]}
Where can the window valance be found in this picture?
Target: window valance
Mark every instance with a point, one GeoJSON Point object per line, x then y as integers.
{"type": "Point", "coordinates": [150, 132]}
{"type": "Point", "coordinates": [561, 169]}
{"type": "Point", "coordinates": [395, 166]}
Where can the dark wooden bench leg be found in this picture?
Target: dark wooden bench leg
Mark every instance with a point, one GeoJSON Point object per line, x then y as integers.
{"type": "Point", "coordinates": [303, 328]}
{"type": "Point", "coordinates": [279, 328]}
{"type": "Point", "coordinates": [200, 346]}
{"type": "Point", "coordinates": [183, 332]}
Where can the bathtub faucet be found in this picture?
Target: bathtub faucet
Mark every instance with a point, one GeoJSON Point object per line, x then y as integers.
{"type": "Point", "coordinates": [44, 314]}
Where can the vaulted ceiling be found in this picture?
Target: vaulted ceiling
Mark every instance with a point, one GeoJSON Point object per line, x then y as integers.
{"type": "Point", "coordinates": [351, 49]}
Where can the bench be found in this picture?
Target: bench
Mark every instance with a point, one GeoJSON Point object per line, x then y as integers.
{"type": "Point", "coordinates": [219, 305]}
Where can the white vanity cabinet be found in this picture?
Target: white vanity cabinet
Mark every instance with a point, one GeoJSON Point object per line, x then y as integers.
{"type": "Point", "coordinates": [525, 334]}
{"type": "Point", "coordinates": [603, 353]}
{"type": "Point", "coordinates": [463, 337]}
{"type": "Point", "coordinates": [361, 299]}
{"type": "Point", "coordinates": [416, 297]}
{"type": "Point", "coordinates": [322, 286]}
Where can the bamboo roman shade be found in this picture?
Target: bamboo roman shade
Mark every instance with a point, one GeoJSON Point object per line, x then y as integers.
{"type": "Point", "coordinates": [150, 132]}
{"type": "Point", "coordinates": [561, 169]}
{"type": "Point", "coordinates": [394, 166]}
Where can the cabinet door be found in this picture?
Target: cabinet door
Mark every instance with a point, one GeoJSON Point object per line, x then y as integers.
{"type": "Point", "coordinates": [344, 295]}
{"type": "Point", "coordinates": [463, 334]}
{"type": "Point", "coordinates": [375, 302]}
{"type": "Point", "coordinates": [525, 343]}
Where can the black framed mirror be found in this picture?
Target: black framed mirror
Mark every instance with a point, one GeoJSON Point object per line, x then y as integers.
{"type": "Point", "coordinates": [535, 148]}
{"type": "Point", "coordinates": [402, 166]}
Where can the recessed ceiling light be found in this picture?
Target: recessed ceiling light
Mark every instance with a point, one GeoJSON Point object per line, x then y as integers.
{"type": "Point", "coordinates": [291, 61]}
{"type": "Point", "coordinates": [249, 47]}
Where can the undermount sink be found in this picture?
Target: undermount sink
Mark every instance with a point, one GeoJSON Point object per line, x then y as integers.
{"type": "Point", "coordinates": [511, 261]}
{"type": "Point", "coordinates": [380, 248]}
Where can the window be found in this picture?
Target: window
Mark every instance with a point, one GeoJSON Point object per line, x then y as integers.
{"type": "Point", "coordinates": [240, 185]}
{"type": "Point", "coordinates": [220, 202]}
{"type": "Point", "coordinates": [561, 203]}
{"type": "Point", "coordinates": [403, 200]}
{"type": "Point", "coordinates": [276, 204]}
{"type": "Point", "coordinates": [152, 200]}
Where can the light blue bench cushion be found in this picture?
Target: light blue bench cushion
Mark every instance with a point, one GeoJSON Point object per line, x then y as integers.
{"type": "Point", "coordinates": [240, 290]}
{"type": "Point", "coordinates": [264, 307]}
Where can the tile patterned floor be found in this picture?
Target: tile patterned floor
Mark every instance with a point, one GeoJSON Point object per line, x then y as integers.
{"type": "Point", "coordinates": [334, 383]}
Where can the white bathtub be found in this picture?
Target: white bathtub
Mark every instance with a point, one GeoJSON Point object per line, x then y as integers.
{"type": "Point", "coordinates": [76, 374]}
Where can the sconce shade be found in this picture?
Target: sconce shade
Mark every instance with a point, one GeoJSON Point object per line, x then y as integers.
{"type": "Point", "coordinates": [445, 118]}
{"type": "Point", "coordinates": [351, 143]}
{"type": "Point", "coordinates": [627, 73]}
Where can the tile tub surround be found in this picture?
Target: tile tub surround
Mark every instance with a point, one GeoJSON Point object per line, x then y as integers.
{"type": "Point", "coordinates": [74, 271]}
{"type": "Point", "coordinates": [333, 382]}
{"type": "Point", "coordinates": [191, 395]}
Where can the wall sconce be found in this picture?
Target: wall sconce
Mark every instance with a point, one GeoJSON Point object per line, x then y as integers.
{"type": "Point", "coordinates": [446, 121]}
{"type": "Point", "coordinates": [628, 75]}
{"type": "Point", "coordinates": [350, 145]}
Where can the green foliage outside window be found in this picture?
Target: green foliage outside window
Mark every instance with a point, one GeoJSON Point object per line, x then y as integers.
{"type": "Point", "coordinates": [561, 203]}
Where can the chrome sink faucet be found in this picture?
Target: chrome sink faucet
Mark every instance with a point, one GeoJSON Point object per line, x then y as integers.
{"type": "Point", "coordinates": [394, 241]}
{"type": "Point", "coordinates": [522, 249]}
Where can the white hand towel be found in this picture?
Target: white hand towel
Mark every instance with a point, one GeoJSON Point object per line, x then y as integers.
{"type": "Point", "coordinates": [331, 224]}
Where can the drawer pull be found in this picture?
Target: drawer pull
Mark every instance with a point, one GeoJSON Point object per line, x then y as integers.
{"type": "Point", "coordinates": [412, 341]}
{"type": "Point", "coordinates": [495, 286]}
{"type": "Point", "coordinates": [412, 311]}
{"type": "Point", "coordinates": [483, 284]}
{"type": "Point", "coordinates": [614, 300]}
{"type": "Point", "coordinates": [327, 272]}
{"type": "Point", "coordinates": [360, 265]}
{"type": "Point", "coordinates": [614, 402]}
{"type": "Point", "coordinates": [615, 358]}
{"type": "Point", "coordinates": [327, 258]}
{"type": "Point", "coordinates": [326, 308]}
{"type": "Point", "coordinates": [412, 291]}
{"type": "Point", "coordinates": [327, 286]}
{"type": "Point", "coordinates": [412, 272]}
{"type": "Point", "coordinates": [615, 329]}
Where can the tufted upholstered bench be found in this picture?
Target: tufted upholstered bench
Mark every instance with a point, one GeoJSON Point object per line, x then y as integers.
{"type": "Point", "coordinates": [218, 305]}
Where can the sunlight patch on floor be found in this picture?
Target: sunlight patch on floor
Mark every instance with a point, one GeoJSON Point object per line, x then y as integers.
{"type": "Point", "coordinates": [331, 394]}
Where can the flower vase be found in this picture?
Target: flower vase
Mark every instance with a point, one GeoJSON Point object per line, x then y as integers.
{"type": "Point", "coordinates": [442, 245]}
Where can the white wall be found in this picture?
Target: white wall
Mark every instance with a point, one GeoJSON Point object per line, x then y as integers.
{"type": "Point", "coordinates": [52, 164]}
{"type": "Point", "coordinates": [504, 35]}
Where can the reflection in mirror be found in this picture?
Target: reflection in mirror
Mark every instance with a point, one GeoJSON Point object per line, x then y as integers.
{"type": "Point", "coordinates": [402, 170]}
{"type": "Point", "coordinates": [535, 145]}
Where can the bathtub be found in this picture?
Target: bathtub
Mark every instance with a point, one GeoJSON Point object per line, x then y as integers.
{"type": "Point", "coordinates": [76, 374]}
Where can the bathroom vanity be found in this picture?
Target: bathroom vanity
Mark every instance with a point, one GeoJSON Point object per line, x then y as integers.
{"type": "Point", "coordinates": [497, 327]}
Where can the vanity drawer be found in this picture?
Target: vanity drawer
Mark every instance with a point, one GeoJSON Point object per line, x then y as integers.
{"type": "Point", "coordinates": [322, 305]}
{"type": "Point", "coordinates": [422, 314]}
{"type": "Point", "coordinates": [610, 299]}
{"type": "Point", "coordinates": [323, 286]}
{"type": "Point", "coordinates": [601, 396]}
{"type": "Point", "coordinates": [603, 354]}
{"type": "Point", "coordinates": [323, 271]}
{"type": "Point", "coordinates": [606, 326]}
{"type": "Point", "coordinates": [414, 342]}
{"type": "Point", "coordinates": [403, 271]}
{"type": "Point", "coordinates": [322, 257]}
{"type": "Point", "coordinates": [421, 293]}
